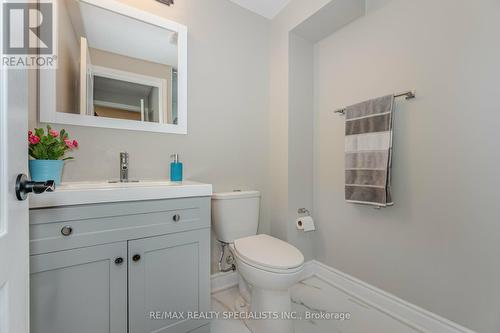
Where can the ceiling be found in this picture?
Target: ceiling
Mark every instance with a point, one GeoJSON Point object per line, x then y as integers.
{"type": "Point", "coordinates": [266, 8]}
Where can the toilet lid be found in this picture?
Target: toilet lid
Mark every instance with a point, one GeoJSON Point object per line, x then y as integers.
{"type": "Point", "coordinates": [267, 251]}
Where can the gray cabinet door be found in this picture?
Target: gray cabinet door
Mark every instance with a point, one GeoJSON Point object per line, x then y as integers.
{"type": "Point", "coordinates": [172, 275]}
{"type": "Point", "coordinates": [80, 291]}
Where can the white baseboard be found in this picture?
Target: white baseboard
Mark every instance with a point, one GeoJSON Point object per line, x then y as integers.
{"type": "Point", "coordinates": [389, 304]}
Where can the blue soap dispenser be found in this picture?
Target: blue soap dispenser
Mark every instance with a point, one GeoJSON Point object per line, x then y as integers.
{"type": "Point", "coordinates": [175, 169]}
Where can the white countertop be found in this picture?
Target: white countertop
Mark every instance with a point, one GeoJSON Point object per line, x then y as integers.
{"type": "Point", "coordinates": [80, 193]}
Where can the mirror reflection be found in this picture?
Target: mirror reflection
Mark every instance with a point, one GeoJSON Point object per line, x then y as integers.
{"type": "Point", "coordinates": [105, 73]}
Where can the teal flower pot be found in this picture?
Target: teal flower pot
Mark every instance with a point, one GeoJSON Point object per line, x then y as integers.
{"type": "Point", "coordinates": [43, 170]}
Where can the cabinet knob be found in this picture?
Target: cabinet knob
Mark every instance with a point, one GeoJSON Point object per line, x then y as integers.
{"type": "Point", "coordinates": [176, 218]}
{"type": "Point", "coordinates": [136, 257]}
{"type": "Point", "coordinates": [119, 261]}
{"type": "Point", "coordinates": [66, 230]}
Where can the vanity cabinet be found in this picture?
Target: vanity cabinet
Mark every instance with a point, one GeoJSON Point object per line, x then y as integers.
{"type": "Point", "coordinates": [164, 277]}
{"type": "Point", "coordinates": [79, 291]}
{"type": "Point", "coordinates": [104, 268]}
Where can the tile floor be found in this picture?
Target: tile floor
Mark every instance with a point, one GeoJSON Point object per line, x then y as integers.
{"type": "Point", "coordinates": [317, 295]}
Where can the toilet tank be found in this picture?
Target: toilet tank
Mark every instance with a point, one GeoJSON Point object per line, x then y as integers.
{"type": "Point", "coordinates": [235, 215]}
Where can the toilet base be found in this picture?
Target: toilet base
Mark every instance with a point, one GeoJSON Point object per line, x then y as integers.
{"type": "Point", "coordinates": [244, 288]}
{"type": "Point", "coordinates": [277, 303]}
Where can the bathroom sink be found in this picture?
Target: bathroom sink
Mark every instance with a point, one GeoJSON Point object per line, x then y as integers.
{"type": "Point", "coordinates": [80, 193]}
{"type": "Point", "coordinates": [110, 184]}
{"type": "Point", "coordinates": [117, 184]}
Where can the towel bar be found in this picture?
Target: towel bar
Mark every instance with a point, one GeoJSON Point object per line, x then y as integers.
{"type": "Point", "coordinates": [408, 95]}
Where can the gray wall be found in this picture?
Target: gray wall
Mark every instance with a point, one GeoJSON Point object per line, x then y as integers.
{"type": "Point", "coordinates": [226, 145]}
{"type": "Point", "coordinates": [290, 166]}
{"type": "Point", "coordinates": [438, 246]}
{"type": "Point", "coordinates": [291, 110]}
{"type": "Point", "coordinates": [300, 138]}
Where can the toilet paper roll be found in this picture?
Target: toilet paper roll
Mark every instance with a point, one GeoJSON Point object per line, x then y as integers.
{"type": "Point", "coordinates": [305, 223]}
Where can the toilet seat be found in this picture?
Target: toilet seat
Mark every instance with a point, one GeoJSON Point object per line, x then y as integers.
{"type": "Point", "coordinates": [268, 253]}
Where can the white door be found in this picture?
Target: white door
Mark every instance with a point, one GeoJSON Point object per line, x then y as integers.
{"type": "Point", "coordinates": [14, 247]}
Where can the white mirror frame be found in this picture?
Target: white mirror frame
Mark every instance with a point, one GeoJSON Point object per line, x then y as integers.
{"type": "Point", "coordinates": [47, 82]}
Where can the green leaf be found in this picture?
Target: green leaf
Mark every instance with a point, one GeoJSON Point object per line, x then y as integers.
{"type": "Point", "coordinates": [49, 148]}
{"type": "Point", "coordinates": [39, 152]}
{"type": "Point", "coordinates": [39, 132]}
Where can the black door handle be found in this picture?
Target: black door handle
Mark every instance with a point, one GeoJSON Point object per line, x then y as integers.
{"type": "Point", "coordinates": [25, 186]}
{"type": "Point", "coordinates": [136, 257]}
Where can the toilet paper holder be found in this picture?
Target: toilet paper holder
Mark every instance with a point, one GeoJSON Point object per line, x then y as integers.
{"type": "Point", "coordinates": [303, 211]}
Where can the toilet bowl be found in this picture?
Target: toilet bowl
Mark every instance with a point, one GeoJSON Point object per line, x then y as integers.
{"type": "Point", "coordinates": [271, 267]}
{"type": "Point", "coordinates": [268, 265]}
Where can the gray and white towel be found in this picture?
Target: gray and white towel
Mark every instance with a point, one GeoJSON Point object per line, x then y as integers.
{"type": "Point", "coordinates": [368, 149]}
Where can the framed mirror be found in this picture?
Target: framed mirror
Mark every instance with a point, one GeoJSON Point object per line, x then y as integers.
{"type": "Point", "coordinates": [118, 67]}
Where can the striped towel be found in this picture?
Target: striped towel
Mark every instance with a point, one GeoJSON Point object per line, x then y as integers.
{"type": "Point", "coordinates": [368, 149]}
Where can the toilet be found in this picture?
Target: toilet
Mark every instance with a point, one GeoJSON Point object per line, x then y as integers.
{"type": "Point", "coordinates": [268, 265]}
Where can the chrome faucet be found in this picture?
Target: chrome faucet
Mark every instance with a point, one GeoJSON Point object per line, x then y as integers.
{"type": "Point", "coordinates": [123, 171]}
{"type": "Point", "coordinates": [123, 167]}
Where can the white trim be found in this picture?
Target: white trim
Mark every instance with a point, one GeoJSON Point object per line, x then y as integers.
{"type": "Point", "coordinates": [133, 125]}
{"type": "Point", "coordinates": [47, 81]}
{"type": "Point", "coordinates": [387, 303]}
{"type": "Point", "coordinates": [170, 97]}
{"type": "Point", "coordinates": [112, 105]}
{"type": "Point", "coordinates": [120, 75]}
{"type": "Point", "coordinates": [405, 312]}
{"type": "Point", "coordinates": [84, 61]}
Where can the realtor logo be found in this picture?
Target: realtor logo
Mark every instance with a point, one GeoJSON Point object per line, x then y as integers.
{"type": "Point", "coordinates": [29, 37]}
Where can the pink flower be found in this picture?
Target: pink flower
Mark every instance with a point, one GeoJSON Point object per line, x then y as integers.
{"type": "Point", "coordinates": [75, 143]}
{"type": "Point", "coordinates": [54, 133]}
{"type": "Point", "coordinates": [68, 143]}
{"type": "Point", "coordinates": [34, 139]}
{"type": "Point", "coordinates": [30, 134]}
